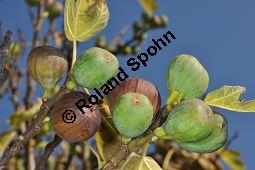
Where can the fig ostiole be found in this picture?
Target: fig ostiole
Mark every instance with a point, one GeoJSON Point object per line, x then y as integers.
{"type": "Point", "coordinates": [47, 65]}
{"type": "Point", "coordinates": [186, 75]}
{"type": "Point", "coordinates": [70, 123]}
{"type": "Point", "coordinates": [132, 114]}
{"type": "Point", "coordinates": [136, 85]}
{"type": "Point", "coordinates": [95, 67]}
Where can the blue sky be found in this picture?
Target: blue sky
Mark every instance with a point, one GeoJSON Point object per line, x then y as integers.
{"type": "Point", "coordinates": [219, 33]}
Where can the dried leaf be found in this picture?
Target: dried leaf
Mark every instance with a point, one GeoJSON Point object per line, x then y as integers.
{"type": "Point", "coordinates": [227, 97]}
{"type": "Point", "coordinates": [150, 6]}
{"type": "Point", "coordinates": [85, 18]}
{"type": "Point", "coordinates": [137, 162]}
{"type": "Point", "coordinates": [231, 158]}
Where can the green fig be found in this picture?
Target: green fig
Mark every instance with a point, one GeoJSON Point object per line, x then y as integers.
{"type": "Point", "coordinates": [132, 115]}
{"type": "Point", "coordinates": [186, 75]}
{"type": "Point", "coordinates": [213, 142]}
{"type": "Point", "coordinates": [190, 121]}
{"type": "Point", "coordinates": [95, 67]}
{"type": "Point", "coordinates": [47, 66]}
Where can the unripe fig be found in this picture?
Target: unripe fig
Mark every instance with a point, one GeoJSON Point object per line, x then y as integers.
{"type": "Point", "coordinates": [47, 65]}
{"type": "Point", "coordinates": [132, 115]}
{"type": "Point", "coordinates": [136, 85]}
{"type": "Point", "coordinates": [95, 67]}
{"type": "Point", "coordinates": [55, 9]}
{"type": "Point", "coordinates": [186, 75]}
{"type": "Point", "coordinates": [190, 120]}
{"type": "Point", "coordinates": [213, 142]}
{"type": "Point", "coordinates": [72, 124]}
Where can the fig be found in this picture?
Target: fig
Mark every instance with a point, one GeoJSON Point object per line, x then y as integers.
{"type": "Point", "coordinates": [55, 9]}
{"type": "Point", "coordinates": [47, 66]}
{"type": "Point", "coordinates": [72, 124]}
{"type": "Point", "coordinates": [136, 85]}
{"type": "Point", "coordinates": [132, 115]}
{"type": "Point", "coordinates": [186, 75]}
{"type": "Point", "coordinates": [95, 67]}
{"type": "Point", "coordinates": [213, 142]}
{"type": "Point", "coordinates": [190, 121]}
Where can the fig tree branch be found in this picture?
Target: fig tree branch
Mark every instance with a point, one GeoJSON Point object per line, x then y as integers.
{"type": "Point", "coordinates": [4, 53]}
{"type": "Point", "coordinates": [19, 143]}
{"type": "Point", "coordinates": [50, 147]}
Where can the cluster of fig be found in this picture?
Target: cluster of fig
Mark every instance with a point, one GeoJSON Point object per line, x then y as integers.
{"type": "Point", "coordinates": [133, 102]}
{"type": "Point", "coordinates": [192, 123]}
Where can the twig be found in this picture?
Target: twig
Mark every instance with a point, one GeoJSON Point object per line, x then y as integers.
{"type": "Point", "coordinates": [50, 147]}
{"type": "Point", "coordinates": [4, 53]}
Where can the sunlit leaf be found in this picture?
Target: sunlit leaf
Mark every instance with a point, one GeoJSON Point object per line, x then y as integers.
{"type": "Point", "coordinates": [231, 158]}
{"type": "Point", "coordinates": [150, 6]}
{"type": "Point", "coordinates": [5, 138]}
{"type": "Point", "coordinates": [85, 18]}
{"type": "Point", "coordinates": [137, 162]}
{"type": "Point", "coordinates": [227, 97]}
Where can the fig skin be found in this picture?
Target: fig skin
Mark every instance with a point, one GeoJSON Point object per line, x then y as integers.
{"type": "Point", "coordinates": [190, 121]}
{"type": "Point", "coordinates": [84, 126]}
{"type": "Point", "coordinates": [95, 67]}
{"type": "Point", "coordinates": [133, 114]}
{"type": "Point", "coordinates": [186, 75]}
{"type": "Point", "coordinates": [213, 142]}
{"type": "Point", "coordinates": [47, 66]}
{"type": "Point", "coordinates": [136, 85]}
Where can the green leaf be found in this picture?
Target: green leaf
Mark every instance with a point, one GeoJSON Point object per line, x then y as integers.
{"type": "Point", "coordinates": [150, 6]}
{"type": "Point", "coordinates": [137, 162]}
{"type": "Point", "coordinates": [227, 97]}
{"type": "Point", "coordinates": [85, 18]}
{"type": "Point", "coordinates": [231, 158]}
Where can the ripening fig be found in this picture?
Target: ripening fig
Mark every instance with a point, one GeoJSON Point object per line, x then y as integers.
{"type": "Point", "coordinates": [213, 142]}
{"type": "Point", "coordinates": [132, 115]}
{"type": "Point", "coordinates": [47, 65]}
{"type": "Point", "coordinates": [95, 67]}
{"type": "Point", "coordinates": [55, 9]}
{"type": "Point", "coordinates": [186, 75]}
{"type": "Point", "coordinates": [190, 121]}
{"type": "Point", "coordinates": [136, 85]}
{"type": "Point", "coordinates": [72, 124]}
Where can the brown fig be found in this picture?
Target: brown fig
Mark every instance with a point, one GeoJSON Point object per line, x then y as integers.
{"type": "Point", "coordinates": [72, 124]}
{"type": "Point", "coordinates": [136, 85]}
{"type": "Point", "coordinates": [47, 65]}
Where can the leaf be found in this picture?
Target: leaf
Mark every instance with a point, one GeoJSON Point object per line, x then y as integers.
{"type": "Point", "coordinates": [227, 97]}
{"type": "Point", "coordinates": [85, 18]}
{"type": "Point", "coordinates": [150, 6]}
{"type": "Point", "coordinates": [231, 158]}
{"type": "Point", "coordinates": [5, 138]}
{"type": "Point", "coordinates": [137, 162]}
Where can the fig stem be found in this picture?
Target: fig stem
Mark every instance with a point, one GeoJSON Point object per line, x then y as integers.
{"type": "Point", "coordinates": [174, 98]}
{"type": "Point", "coordinates": [74, 55]}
